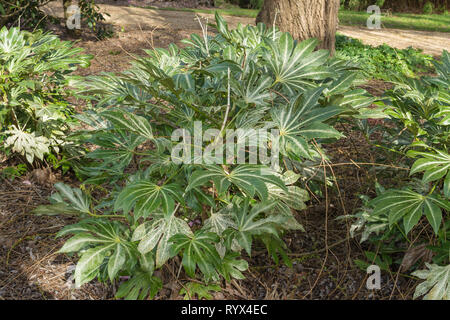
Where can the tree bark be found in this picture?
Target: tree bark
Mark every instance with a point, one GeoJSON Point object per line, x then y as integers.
{"type": "Point", "coordinates": [304, 19]}
{"type": "Point", "coordinates": [66, 5]}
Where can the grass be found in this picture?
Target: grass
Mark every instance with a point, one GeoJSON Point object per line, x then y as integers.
{"type": "Point", "coordinates": [432, 22]}
{"type": "Point", "coordinates": [232, 11]}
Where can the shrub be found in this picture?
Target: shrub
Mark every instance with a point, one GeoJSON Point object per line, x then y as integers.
{"type": "Point", "coordinates": [382, 61]}
{"type": "Point", "coordinates": [35, 71]}
{"type": "Point", "coordinates": [28, 15]}
{"type": "Point", "coordinates": [25, 12]}
{"type": "Point", "coordinates": [428, 8]}
{"type": "Point", "coordinates": [154, 208]}
{"type": "Point", "coordinates": [420, 112]}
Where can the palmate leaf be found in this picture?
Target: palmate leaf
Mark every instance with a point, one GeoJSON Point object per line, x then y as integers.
{"type": "Point", "coordinates": [156, 233]}
{"type": "Point", "coordinates": [255, 88]}
{"type": "Point", "coordinates": [124, 120]}
{"type": "Point", "coordinates": [77, 200]}
{"type": "Point", "coordinates": [218, 223]}
{"type": "Point", "coordinates": [250, 179]}
{"type": "Point", "coordinates": [140, 286]}
{"type": "Point", "coordinates": [435, 166]}
{"type": "Point", "coordinates": [410, 206]}
{"type": "Point", "coordinates": [193, 289]}
{"type": "Point", "coordinates": [341, 85]}
{"type": "Point", "coordinates": [88, 267]}
{"type": "Point", "coordinates": [198, 250]}
{"type": "Point", "coordinates": [232, 267]}
{"type": "Point", "coordinates": [114, 155]}
{"type": "Point", "coordinates": [437, 282]}
{"type": "Point", "coordinates": [357, 99]}
{"type": "Point", "coordinates": [295, 65]}
{"type": "Point", "coordinates": [112, 90]}
{"type": "Point", "coordinates": [104, 240]}
{"type": "Point", "coordinates": [294, 198]}
{"type": "Point", "coordinates": [247, 224]}
{"type": "Point", "coordinates": [146, 197]}
{"type": "Point", "coordinates": [27, 144]}
{"type": "Point", "coordinates": [301, 121]}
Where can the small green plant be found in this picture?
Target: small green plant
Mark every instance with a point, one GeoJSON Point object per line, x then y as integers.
{"type": "Point", "coordinates": [382, 61]}
{"type": "Point", "coordinates": [191, 290]}
{"type": "Point", "coordinates": [92, 17]}
{"type": "Point", "coordinates": [35, 76]}
{"type": "Point", "coordinates": [420, 111]}
{"type": "Point", "coordinates": [428, 8]}
{"type": "Point", "coordinates": [13, 172]}
{"type": "Point", "coordinates": [209, 214]}
{"type": "Point", "coordinates": [22, 13]}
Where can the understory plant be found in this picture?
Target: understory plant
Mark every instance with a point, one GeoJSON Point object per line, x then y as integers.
{"type": "Point", "coordinates": [29, 15]}
{"type": "Point", "coordinates": [418, 126]}
{"type": "Point", "coordinates": [152, 193]}
{"type": "Point", "coordinates": [382, 61]}
{"type": "Point", "coordinates": [35, 78]}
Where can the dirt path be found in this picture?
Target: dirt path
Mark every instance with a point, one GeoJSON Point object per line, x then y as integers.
{"type": "Point", "coordinates": [132, 18]}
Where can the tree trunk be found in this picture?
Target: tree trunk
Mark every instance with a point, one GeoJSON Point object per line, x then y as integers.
{"type": "Point", "coordinates": [304, 19]}
{"type": "Point", "coordinates": [66, 5]}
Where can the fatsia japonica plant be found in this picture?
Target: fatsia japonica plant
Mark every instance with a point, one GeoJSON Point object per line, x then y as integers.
{"type": "Point", "coordinates": [420, 112]}
{"type": "Point", "coordinates": [35, 73]}
{"type": "Point", "coordinates": [170, 189]}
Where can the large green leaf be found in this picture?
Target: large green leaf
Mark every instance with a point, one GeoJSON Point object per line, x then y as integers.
{"type": "Point", "coordinates": [156, 233]}
{"type": "Point", "coordinates": [250, 179]}
{"type": "Point", "coordinates": [140, 286]}
{"type": "Point", "coordinates": [434, 165]}
{"type": "Point", "coordinates": [301, 121]}
{"type": "Point", "coordinates": [249, 223]}
{"type": "Point", "coordinates": [76, 198]}
{"type": "Point", "coordinates": [437, 282]}
{"type": "Point", "coordinates": [198, 250]}
{"type": "Point", "coordinates": [146, 197]}
{"type": "Point", "coordinates": [410, 206]}
{"type": "Point", "coordinates": [103, 240]}
{"type": "Point", "coordinates": [128, 121]}
{"type": "Point", "coordinates": [295, 65]}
